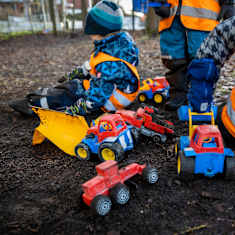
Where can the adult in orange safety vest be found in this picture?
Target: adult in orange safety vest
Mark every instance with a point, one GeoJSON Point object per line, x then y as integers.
{"type": "Point", "coordinates": [183, 26]}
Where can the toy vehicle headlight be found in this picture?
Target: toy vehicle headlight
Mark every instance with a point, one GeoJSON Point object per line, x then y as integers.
{"type": "Point", "coordinates": [165, 92]}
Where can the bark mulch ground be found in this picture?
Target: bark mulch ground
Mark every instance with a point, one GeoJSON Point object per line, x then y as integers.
{"type": "Point", "coordinates": [40, 186]}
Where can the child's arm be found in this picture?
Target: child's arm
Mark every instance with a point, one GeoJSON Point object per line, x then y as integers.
{"type": "Point", "coordinates": [80, 72]}
{"type": "Point", "coordinates": [220, 44]}
{"type": "Point", "coordinates": [109, 76]}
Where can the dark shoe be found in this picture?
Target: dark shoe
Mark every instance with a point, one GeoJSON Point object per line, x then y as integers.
{"type": "Point", "coordinates": [174, 103]}
{"type": "Point", "coordinates": [22, 106]}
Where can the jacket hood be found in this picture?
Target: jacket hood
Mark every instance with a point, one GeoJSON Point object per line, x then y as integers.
{"type": "Point", "coordinates": [119, 45]}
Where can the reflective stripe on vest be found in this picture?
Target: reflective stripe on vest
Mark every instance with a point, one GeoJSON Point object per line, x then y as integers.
{"type": "Point", "coordinates": [198, 15]}
{"type": "Point", "coordinates": [43, 100]}
{"type": "Point", "coordinates": [118, 99]}
{"type": "Point", "coordinates": [228, 114]}
{"type": "Point", "coordinates": [44, 103]}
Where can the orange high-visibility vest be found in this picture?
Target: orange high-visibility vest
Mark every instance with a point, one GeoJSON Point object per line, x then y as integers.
{"type": "Point", "coordinates": [228, 114]}
{"type": "Point", "coordinates": [118, 99]}
{"type": "Point", "coordinates": [195, 14]}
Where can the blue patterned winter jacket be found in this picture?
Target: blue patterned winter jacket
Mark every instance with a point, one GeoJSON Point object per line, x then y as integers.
{"type": "Point", "coordinates": [111, 73]}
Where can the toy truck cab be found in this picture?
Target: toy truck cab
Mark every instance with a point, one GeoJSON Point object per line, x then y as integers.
{"type": "Point", "coordinates": [107, 176]}
{"type": "Point", "coordinates": [207, 138]}
{"type": "Point", "coordinates": [204, 153]}
{"type": "Point", "coordinates": [109, 184]}
{"type": "Point", "coordinates": [109, 139]}
{"type": "Point", "coordinates": [156, 89]}
{"type": "Point", "coordinates": [110, 126]}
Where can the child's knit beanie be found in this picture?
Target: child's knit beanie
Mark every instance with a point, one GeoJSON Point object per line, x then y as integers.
{"type": "Point", "coordinates": [104, 18]}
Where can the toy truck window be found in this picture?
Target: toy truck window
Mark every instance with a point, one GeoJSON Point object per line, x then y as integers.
{"type": "Point", "coordinates": [209, 143]}
{"type": "Point", "coordinates": [155, 83]}
{"type": "Point", "coordinates": [119, 124]}
{"type": "Point", "coordinates": [105, 126]}
{"type": "Point", "coordinates": [195, 140]}
{"type": "Point", "coordinates": [149, 81]}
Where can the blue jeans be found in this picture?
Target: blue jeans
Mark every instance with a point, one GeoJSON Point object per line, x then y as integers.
{"type": "Point", "coordinates": [178, 42]}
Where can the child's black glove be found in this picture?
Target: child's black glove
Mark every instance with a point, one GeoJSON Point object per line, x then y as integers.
{"type": "Point", "coordinates": [78, 108]}
{"type": "Point", "coordinates": [79, 73]}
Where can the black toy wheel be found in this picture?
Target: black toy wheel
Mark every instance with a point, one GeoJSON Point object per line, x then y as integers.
{"type": "Point", "coordinates": [157, 139]}
{"type": "Point", "coordinates": [185, 165]}
{"type": "Point", "coordinates": [150, 175]}
{"type": "Point", "coordinates": [230, 168]}
{"type": "Point", "coordinates": [142, 98]}
{"type": "Point", "coordinates": [111, 151]}
{"type": "Point", "coordinates": [156, 111]}
{"type": "Point", "coordinates": [101, 205]}
{"type": "Point", "coordinates": [120, 194]}
{"type": "Point", "coordinates": [158, 98]}
{"type": "Point", "coordinates": [82, 151]}
{"type": "Point", "coordinates": [135, 135]}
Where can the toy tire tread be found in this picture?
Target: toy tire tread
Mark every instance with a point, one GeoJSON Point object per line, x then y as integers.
{"type": "Point", "coordinates": [135, 134]}
{"type": "Point", "coordinates": [230, 168]}
{"type": "Point", "coordinates": [157, 139]}
{"type": "Point", "coordinates": [86, 151]}
{"type": "Point", "coordinates": [150, 175]}
{"type": "Point", "coordinates": [185, 165]}
{"type": "Point", "coordinates": [101, 205]}
{"type": "Point", "coordinates": [120, 194]}
{"type": "Point", "coordinates": [163, 98]}
{"type": "Point", "coordinates": [116, 148]}
{"type": "Point", "coordinates": [139, 99]}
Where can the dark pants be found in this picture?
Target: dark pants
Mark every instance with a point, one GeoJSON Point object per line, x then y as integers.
{"type": "Point", "coordinates": [59, 97]}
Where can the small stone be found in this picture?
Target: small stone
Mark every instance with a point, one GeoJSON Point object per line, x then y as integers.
{"type": "Point", "coordinates": [150, 200]}
{"type": "Point", "coordinates": [219, 207]}
{"type": "Point", "coordinates": [177, 182]}
{"type": "Point", "coordinates": [113, 233]}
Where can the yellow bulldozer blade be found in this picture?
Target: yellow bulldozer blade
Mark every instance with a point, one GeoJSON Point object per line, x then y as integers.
{"type": "Point", "coordinates": [63, 130]}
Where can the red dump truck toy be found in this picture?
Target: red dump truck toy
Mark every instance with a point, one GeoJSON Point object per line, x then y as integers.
{"type": "Point", "coordinates": [108, 186]}
{"type": "Point", "coordinates": [149, 123]}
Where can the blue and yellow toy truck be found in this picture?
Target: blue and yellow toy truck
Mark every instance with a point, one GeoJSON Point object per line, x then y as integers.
{"type": "Point", "coordinates": [203, 151]}
{"type": "Point", "coordinates": [155, 89]}
{"type": "Point", "coordinates": [110, 139]}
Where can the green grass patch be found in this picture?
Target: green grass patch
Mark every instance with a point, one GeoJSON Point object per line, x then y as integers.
{"type": "Point", "coordinates": [6, 36]}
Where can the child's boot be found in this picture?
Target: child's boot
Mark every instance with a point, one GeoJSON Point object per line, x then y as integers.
{"type": "Point", "coordinates": [178, 94]}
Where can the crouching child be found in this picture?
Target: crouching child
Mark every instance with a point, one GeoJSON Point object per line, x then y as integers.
{"type": "Point", "coordinates": [107, 82]}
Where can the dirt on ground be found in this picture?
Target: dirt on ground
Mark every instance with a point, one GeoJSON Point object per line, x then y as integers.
{"type": "Point", "coordinates": [40, 186]}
